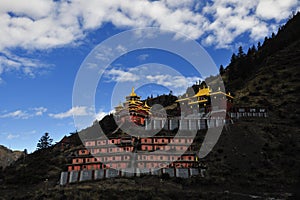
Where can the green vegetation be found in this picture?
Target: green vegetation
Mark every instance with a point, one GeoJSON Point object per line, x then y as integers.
{"type": "Point", "coordinates": [45, 142]}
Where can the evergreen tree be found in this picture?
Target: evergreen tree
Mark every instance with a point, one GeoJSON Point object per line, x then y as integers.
{"type": "Point", "coordinates": [266, 40]}
{"type": "Point", "coordinates": [44, 142]}
{"type": "Point", "coordinates": [273, 35]}
{"type": "Point", "coordinates": [241, 52]}
{"type": "Point", "coordinates": [222, 70]}
{"type": "Point", "coordinates": [233, 59]}
{"type": "Point", "coordinates": [258, 45]}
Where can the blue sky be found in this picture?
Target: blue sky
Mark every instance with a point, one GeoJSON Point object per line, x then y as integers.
{"type": "Point", "coordinates": [44, 43]}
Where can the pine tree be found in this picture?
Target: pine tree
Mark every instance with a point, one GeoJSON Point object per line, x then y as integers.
{"type": "Point", "coordinates": [44, 142]}
{"type": "Point", "coordinates": [258, 45]}
{"type": "Point", "coordinates": [241, 52]}
{"type": "Point", "coordinates": [233, 59]}
{"type": "Point", "coordinates": [222, 70]}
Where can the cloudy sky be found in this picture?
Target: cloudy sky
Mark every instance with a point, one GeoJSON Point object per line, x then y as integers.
{"type": "Point", "coordinates": [44, 42]}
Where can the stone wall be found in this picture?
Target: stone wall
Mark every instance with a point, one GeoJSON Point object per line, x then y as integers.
{"type": "Point", "coordinates": [90, 175]}
{"type": "Point", "coordinates": [201, 123]}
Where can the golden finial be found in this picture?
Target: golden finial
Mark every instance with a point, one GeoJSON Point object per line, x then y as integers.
{"type": "Point", "coordinates": [132, 92]}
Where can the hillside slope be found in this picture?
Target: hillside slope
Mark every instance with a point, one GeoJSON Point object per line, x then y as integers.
{"type": "Point", "coordinates": [8, 156]}
{"type": "Point", "coordinates": [264, 154]}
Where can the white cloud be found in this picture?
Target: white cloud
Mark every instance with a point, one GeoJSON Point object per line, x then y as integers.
{"type": "Point", "coordinates": [154, 74]}
{"type": "Point", "coordinates": [12, 136]}
{"type": "Point", "coordinates": [175, 81]}
{"type": "Point", "coordinates": [46, 24]}
{"type": "Point", "coordinates": [100, 115]}
{"type": "Point", "coordinates": [121, 48]}
{"type": "Point", "coordinates": [39, 111]}
{"type": "Point", "coordinates": [75, 111]}
{"type": "Point", "coordinates": [18, 114]}
{"type": "Point", "coordinates": [28, 66]}
{"type": "Point", "coordinates": [79, 111]}
{"type": "Point", "coordinates": [119, 75]}
{"type": "Point", "coordinates": [230, 19]}
{"type": "Point", "coordinates": [143, 57]}
{"type": "Point", "coordinates": [25, 114]}
{"type": "Point", "coordinates": [135, 74]}
{"type": "Point", "coordinates": [49, 24]}
{"type": "Point", "coordinates": [275, 9]}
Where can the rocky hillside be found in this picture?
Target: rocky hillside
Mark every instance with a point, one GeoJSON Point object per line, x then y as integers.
{"type": "Point", "coordinates": [8, 156]}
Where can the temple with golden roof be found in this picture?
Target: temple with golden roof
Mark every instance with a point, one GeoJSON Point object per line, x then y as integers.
{"type": "Point", "coordinates": [204, 99]}
{"type": "Point", "coordinates": [133, 109]}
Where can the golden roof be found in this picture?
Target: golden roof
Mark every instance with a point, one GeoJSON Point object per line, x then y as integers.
{"type": "Point", "coordinates": [145, 105]}
{"type": "Point", "coordinates": [119, 105]}
{"type": "Point", "coordinates": [132, 94]}
{"type": "Point", "coordinates": [203, 92]}
{"type": "Point", "coordinates": [199, 101]}
{"type": "Point", "coordinates": [184, 99]}
{"type": "Point", "coordinates": [223, 93]}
